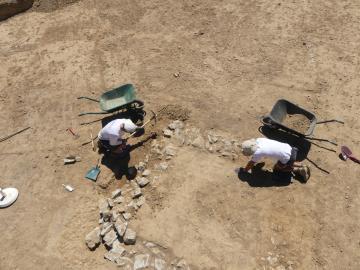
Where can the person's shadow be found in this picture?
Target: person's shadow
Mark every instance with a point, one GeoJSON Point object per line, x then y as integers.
{"type": "Point", "coordinates": [264, 178]}
{"type": "Point", "coordinates": [119, 163]}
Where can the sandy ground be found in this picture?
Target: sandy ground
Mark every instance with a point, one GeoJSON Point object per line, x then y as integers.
{"type": "Point", "coordinates": [233, 59]}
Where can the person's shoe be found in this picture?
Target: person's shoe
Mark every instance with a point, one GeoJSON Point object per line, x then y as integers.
{"type": "Point", "coordinates": [304, 172]}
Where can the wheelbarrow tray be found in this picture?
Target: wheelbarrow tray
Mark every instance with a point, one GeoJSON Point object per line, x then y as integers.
{"type": "Point", "coordinates": [122, 97]}
{"type": "Point", "coordinates": [117, 98]}
{"type": "Point", "coordinates": [279, 112]}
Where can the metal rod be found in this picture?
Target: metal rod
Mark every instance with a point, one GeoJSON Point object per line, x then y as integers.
{"type": "Point", "coordinates": [323, 147]}
{"type": "Point", "coordinates": [11, 135]}
{"type": "Point", "coordinates": [92, 99]}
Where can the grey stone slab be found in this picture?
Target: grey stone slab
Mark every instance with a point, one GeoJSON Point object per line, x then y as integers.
{"type": "Point", "coordinates": [142, 181]}
{"type": "Point", "coordinates": [93, 239]}
{"type": "Point", "coordinates": [109, 238]}
{"type": "Point", "coordinates": [120, 227]}
{"type": "Point", "coordinates": [136, 193]}
{"type": "Point", "coordinates": [141, 261]}
{"type": "Point", "coordinates": [116, 193]}
{"type": "Point", "coordinates": [130, 237]}
{"type": "Point", "coordinates": [159, 264]}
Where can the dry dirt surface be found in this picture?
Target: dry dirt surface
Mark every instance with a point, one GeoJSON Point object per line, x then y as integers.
{"type": "Point", "coordinates": [226, 62]}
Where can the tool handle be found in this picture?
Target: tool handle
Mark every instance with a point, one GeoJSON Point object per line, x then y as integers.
{"type": "Point", "coordinates": [354, 159]}
{"type": "Point", "coordinates": [11, 135]}
{"type": "Point", "coordinates": [332, 120]}
{"type": "Point", "coordinates": [132, 134]}
{"type": "Point", "coordinates": [71, 131]}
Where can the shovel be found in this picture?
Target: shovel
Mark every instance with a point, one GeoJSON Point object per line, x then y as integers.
{"type": "Point", "coordinates": [347, 154]}
{"type": "Point", "coordinates": [93, 173]}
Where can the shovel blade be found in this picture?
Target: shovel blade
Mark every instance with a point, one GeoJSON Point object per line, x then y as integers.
{"type": "Point", "coordinates": [93, 173]}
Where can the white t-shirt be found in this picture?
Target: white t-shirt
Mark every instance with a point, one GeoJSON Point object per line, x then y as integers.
{"type": "Point", "coordinates": [272, 149]}
{"type": "Point", "coordinates": [112, 132]}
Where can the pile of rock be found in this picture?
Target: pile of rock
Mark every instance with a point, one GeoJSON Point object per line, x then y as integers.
{"type": "Point", "coordinates": [113, 230]}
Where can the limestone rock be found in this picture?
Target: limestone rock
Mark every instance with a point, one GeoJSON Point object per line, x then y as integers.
{"type": "Point", "coordinates": [162, 166]}
{"type": "Point", "coordinates": [120, 227]}
{"type": "Point", "coordinates": [117, 248]}
{"type": "Point", "coordinates": [111, 256]}
{"type": "Point", "coordinates": [109, 238]}
{"type": "Point", "coordinates": [191, 134]}
{"type": "Point", "coordinates": [103, 206]}
{"type": "Point", "coordinates": [116, 193]}
{"type": "Point", "coordinates": [127, 215]}
{"type": "Point", "coordinates": [132, 207]}
{"type": "Point", "coordinates": [199, 142]}
{"type": "Point", "coordinates": [136, 193]}
{"type": "Point", "coordinates": [106, 227]}
{"type": "Point", "coordinates": [119, 200]}
{"type": "Point", "coordinates": [212, 138]}
{"type": "Point", "coordinates": [124, 262]}
{"type": "Point", "coordinates": [142, 181]}
{"type": "Point", "coordinates": [110, 203]}
{"type": "Point", "coordinates": [169, 151]}
{"type": "Point", "coordinates": [130, 237]}
{"type": "Point", "coordinates": [159, 264]}
{"type": "Point", "coordinates": [177, 124]}
{"type": "Point", "coordinates": [10, 8]}
{"type": "Point", "coordinates": [93, 239]}
{"type": "Point", "coordinates": [114, 215]}
{"type": "Point", "coordinates": [141, 166]}
{"type": "Point", "coordinates": [182, 265]}
{"type": "Point", "coordinates": [146, 173]}
{"type": "Point", "coordinates": [140, 201]}
{"type": "Point", "coordinates": [179, 137]}
{"type": "Point", "coordinates": [120, 208]}
{"type": "Point", "coordinates": [167, 133]}
{"type": "Point", "coordinates": [141, 261]}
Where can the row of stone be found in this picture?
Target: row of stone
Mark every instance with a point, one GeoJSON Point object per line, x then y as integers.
{"type": "Point", "coordinates": [191, 136]}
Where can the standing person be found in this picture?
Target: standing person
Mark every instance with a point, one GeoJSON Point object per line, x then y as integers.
{"type": "Point", "coordinates": [282, 152]}
{"type": "Point", "coordinates": [111, 136]}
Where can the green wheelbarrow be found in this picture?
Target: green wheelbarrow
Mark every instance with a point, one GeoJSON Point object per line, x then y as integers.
{"type": "Point", "coordinates": [120, 98]}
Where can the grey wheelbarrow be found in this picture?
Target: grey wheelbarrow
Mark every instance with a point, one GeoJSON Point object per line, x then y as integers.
{"type": "Point", "coordinates": [284, 109]}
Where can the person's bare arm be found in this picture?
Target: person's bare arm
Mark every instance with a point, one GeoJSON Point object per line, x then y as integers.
{"type": "Point", "coordinates": [249, 166]}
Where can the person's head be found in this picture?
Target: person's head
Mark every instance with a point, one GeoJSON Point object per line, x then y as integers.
{"type": "Point", "coordinates": [249, 147]}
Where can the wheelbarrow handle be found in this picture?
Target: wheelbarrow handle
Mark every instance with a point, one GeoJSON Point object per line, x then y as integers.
{"type": "Point", "coordinates": [332, 120]}
{"type": "Point", "coordinates": [81, 114]}
{"type": "Point", "coordinates": [92, 99]}
{"type": "Point", "coordinates": [322, 140]}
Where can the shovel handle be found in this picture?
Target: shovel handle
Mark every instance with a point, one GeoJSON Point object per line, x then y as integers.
{"type": "Point", "coordinates": [147, 122]}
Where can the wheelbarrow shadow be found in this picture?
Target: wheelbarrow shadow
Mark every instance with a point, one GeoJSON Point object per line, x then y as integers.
{"type": "Point", "coordinates": [119, 164]}
{"type": "Point", "coordinates": [300, 143]}
{"type": "Point", "coordinates": [264, 178]}
{"type": "Point", "coordinates": [135, 117]}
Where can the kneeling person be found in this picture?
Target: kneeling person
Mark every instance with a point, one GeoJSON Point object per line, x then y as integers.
{"type": "Point", "coordinates": [110, 136]}
{"type": "Point", "coordinates": [282, 152]}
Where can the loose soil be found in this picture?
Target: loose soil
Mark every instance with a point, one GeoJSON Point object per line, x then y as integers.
{"type": "Point", "coordinates": [235, 59]}
{"type": "Point", "coordinates": [297, 122]}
